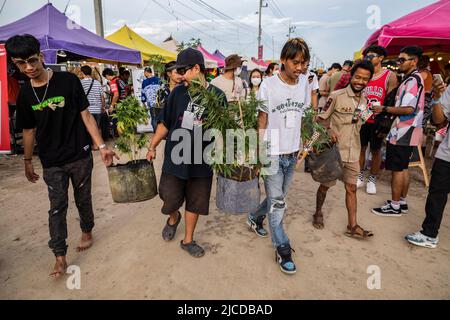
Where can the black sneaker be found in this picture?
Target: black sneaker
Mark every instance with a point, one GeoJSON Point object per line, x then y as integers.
{"type": "Point", "coordinates": [257, 226]}
{"type": "Point", "coordinates": [403, 207]}
{"type": "Point", "coordinates": [387, 211]}
{"type": "Point", "coordinates": [284, 259]}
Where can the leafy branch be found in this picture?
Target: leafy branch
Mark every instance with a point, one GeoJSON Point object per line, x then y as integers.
{"type": "Point", "coordinates": [129, 114]}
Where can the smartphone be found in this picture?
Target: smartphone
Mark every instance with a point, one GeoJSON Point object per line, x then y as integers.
{"type": "Point", "coordinates": [437, 76]}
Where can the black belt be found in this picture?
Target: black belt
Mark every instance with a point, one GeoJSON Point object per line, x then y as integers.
{"type": "Point", "coordinates": [293, 154]}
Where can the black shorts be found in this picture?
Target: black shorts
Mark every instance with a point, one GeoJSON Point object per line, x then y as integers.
{"type": "Point", "coordinates": [195, 191]}
{"type": "Point", "coordinates": [98, 118]}
{"type": "Point", "coordinates": [367, 135]}
{"type": "Point", "coordinates": [397, 157]}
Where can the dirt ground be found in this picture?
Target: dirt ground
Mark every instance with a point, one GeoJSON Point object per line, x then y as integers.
{"type": "Point", "coordinates": [130, 260]}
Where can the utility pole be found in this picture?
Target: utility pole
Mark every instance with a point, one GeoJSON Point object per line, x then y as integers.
{"type": "Point", "coordinates": [291, 30]}
{"type": "Point", "coordinates": [260, 48]}
{"type": "Point", "coordinates": [99, 18]}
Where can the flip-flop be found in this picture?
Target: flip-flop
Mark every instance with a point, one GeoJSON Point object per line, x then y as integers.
{"type": "Point", "coordinates": [318, 221]}
{"type": "Point", "coordinates": [193, 248]}
{"type": "Point", "coordinates": [170, 230]}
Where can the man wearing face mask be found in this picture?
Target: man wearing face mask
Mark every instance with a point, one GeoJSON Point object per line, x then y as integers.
{"type": "Point", "coordinates": [230, 82]}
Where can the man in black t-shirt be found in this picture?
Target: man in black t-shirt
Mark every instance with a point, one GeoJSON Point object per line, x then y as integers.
{"type": "Point", "coordinates": [187, 180]}
{"type": "Point", "coordinates": [52, 108]}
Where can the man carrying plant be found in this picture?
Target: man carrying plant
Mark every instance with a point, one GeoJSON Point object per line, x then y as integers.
{"type": "Point", "coordinates": [53, 107]}
{"type": "Point", "coordinates": [343, 119]}
{"type": "Point", "coordinates": [184, 181]}
{"type": "Point", "coordinates": [285, 97]}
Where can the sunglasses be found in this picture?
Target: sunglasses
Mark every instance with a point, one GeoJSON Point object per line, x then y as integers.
{"type": "Point", "coordinates": [31, 61]}
{"type": "Point", "coordinates": [182, 71]}
{"type": "Point", "coordinates": [371, 56]}
{"type": "Point", "coordinates": [403, 60]}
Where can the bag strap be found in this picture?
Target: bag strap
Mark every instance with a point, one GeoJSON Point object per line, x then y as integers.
{"type": "Point", "coordinates": [90, 87]}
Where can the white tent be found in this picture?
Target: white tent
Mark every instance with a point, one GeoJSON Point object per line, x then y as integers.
{"type": "Point", "coordinates": [172, 44]}
{"type": "Point", "coordinates": [252, 65]}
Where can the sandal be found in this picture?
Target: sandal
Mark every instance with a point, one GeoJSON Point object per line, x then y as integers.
{"type": "Point", "coordinates": [169, 230]}
{"type": "Point", "coordinates": [318, 221]}
{"type": "Point", "coordinates": [193, 248]}
{"type": "Point", "coordinates": [358, 232]}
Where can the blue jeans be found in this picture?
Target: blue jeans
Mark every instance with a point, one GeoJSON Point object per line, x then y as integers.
{"type": "Point", "coordinates": [277, 186]}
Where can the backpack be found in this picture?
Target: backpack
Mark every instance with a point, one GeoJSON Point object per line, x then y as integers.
{"type": "Point", "coordinates": [384, 120]}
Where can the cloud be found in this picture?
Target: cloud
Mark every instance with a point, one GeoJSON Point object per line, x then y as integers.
{"type": "Point", "coordinates": [335, 8]}
{"type": "Point", "coordinates": [325, 24]}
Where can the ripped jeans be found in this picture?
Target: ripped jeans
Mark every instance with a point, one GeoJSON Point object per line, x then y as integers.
{"type": "Point", "coordinates": [277, 186]}
{"type": "Point", "coordinates": [57, 180]}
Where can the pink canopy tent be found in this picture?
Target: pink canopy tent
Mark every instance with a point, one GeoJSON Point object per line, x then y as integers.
{"type": "Point", "coordinates": [210, 56]}
{"type": "Point", "coordinates": [428, 28]}
{"type": "Point", "coordinates": [260, 62]}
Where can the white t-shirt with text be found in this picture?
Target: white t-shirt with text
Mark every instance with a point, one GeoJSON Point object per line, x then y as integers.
{"type": "Point", "coordinates": [284, 105]}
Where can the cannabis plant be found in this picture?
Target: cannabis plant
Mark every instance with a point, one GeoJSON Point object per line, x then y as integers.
{"type": "Point", "coordinates": [129, 114]}
{"type": "Point", "coordinates": [235, 116]}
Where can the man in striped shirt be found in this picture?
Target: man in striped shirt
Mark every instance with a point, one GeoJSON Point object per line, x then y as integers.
{"type": "Point", "coordinates": [94, 93]}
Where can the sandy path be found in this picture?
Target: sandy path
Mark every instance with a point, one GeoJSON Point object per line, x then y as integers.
{"type": "Point", "coordinates": [130, 260]}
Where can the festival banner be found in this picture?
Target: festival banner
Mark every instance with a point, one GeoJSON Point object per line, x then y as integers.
{"type": "Point", "coordinates": [5, 139]}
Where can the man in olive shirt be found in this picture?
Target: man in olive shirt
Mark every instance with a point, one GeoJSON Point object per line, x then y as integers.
{"type": "Point", "coordinates": [343, 120]}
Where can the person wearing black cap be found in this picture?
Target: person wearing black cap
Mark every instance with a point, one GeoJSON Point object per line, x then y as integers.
{"type": "Point", "coordinates": [230, 82]}
{"type": "Point", "coordinates": [188, 179]}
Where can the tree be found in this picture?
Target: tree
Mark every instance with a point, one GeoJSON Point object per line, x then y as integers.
{"type": "Point", "coordinates": [192, 43]}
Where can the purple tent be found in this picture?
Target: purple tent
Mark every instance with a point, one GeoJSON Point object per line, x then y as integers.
{"type": "Point", "coordinates": [56, 32]}
{"type": "Point", "coordinates": [219, 54]}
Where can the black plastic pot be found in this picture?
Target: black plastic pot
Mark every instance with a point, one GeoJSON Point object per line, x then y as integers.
{"type": "Point", "coordinates": [326, 166]}
{"type": "Point", "coordinates": [132, 182]}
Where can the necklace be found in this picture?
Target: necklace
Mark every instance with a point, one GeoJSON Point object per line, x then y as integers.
{"type": "Point", "coordinates": [282, 80]}
{"type": "Point", "coordinates": [46, 88]}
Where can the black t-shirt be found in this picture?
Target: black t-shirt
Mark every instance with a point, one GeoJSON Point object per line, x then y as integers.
{"type": "Point", "coordinates": [172, 117]}
{"type": "Point", "coordinates": [60, 132]}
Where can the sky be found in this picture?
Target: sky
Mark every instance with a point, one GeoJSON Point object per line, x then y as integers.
{"type": "Point", "coordinates": [334, 29]}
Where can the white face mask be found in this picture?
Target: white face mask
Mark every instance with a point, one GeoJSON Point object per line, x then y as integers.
{"type": "Point", "coordinates": [238, 71]}
{"type": "Point", "coordinates": [276, 72]}
{"type": "Point", "coordinates": [256, 81]}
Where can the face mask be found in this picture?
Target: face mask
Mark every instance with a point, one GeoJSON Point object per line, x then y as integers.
{"type": "Point", "coordinates": [256, 81]}
{"type": "Point", "coordinates": [238, 71]}
{"type": "Point", "coordinates": [276, 72]}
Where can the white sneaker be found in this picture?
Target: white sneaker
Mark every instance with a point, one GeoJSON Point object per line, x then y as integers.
{"type": "Point", "coordinates": [360, 182]}
{"type": "Point", "coordinates": [371, 187]}
{"type": "Point", "coordinates": [422, 240]}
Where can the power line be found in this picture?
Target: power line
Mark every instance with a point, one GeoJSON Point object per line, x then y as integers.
{"type": "Point", "coordinates": [3, 5]}
{"type": "Point", "coordinates": [280, 13]}
{"type": "Point", "coordinates": [174, 14]}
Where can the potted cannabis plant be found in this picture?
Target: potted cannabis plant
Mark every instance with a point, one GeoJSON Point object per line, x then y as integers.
{"type": "Point", "coordinates": [324, 157]}
{"type": "Point", "coordinates": [234, 163]}
{"type": "Point", "coordinates": [134, 181]}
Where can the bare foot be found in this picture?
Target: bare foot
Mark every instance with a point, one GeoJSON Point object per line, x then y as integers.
{"type": "Point", "coordinates": [60, 267]}
{"type": "Point", "coordinates": [86, 241]}
{"type": "Point", "coordinates": [318, 221]}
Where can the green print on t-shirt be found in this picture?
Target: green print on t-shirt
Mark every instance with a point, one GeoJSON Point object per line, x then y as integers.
{"type": "Point", "coordinates": [52, 103]}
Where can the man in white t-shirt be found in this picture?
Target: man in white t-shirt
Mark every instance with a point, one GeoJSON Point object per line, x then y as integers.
{"type": "Point", "coordinates": [279, 122]}
{"type": "Point", "coordinates": [230, 82]}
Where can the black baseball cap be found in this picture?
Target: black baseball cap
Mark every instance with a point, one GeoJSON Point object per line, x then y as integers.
{"type": "Point", "coordinates": [189, 57]}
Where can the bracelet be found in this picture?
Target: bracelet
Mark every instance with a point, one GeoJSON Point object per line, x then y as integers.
{"type": "Point", "coordinates": [27, 159]}
{"type": "Point", "coordinates": [151, 149]}
{"type": "Point", "coordinates": [102, 146]}
{"type": "Point", "coordinates": [435, 102]}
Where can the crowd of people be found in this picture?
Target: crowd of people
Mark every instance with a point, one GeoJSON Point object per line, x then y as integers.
{"type": "Point", "coordinates": [361, 105]}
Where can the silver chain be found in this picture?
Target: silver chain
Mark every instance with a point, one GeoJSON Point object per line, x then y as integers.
{"type": "Point", "coordinates": [46, 88]}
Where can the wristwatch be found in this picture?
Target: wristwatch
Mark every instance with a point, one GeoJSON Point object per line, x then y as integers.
{"type": "Point", "coordinates": [385, 109]}
{"type": "Point", "coordinates": [102, 146]}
